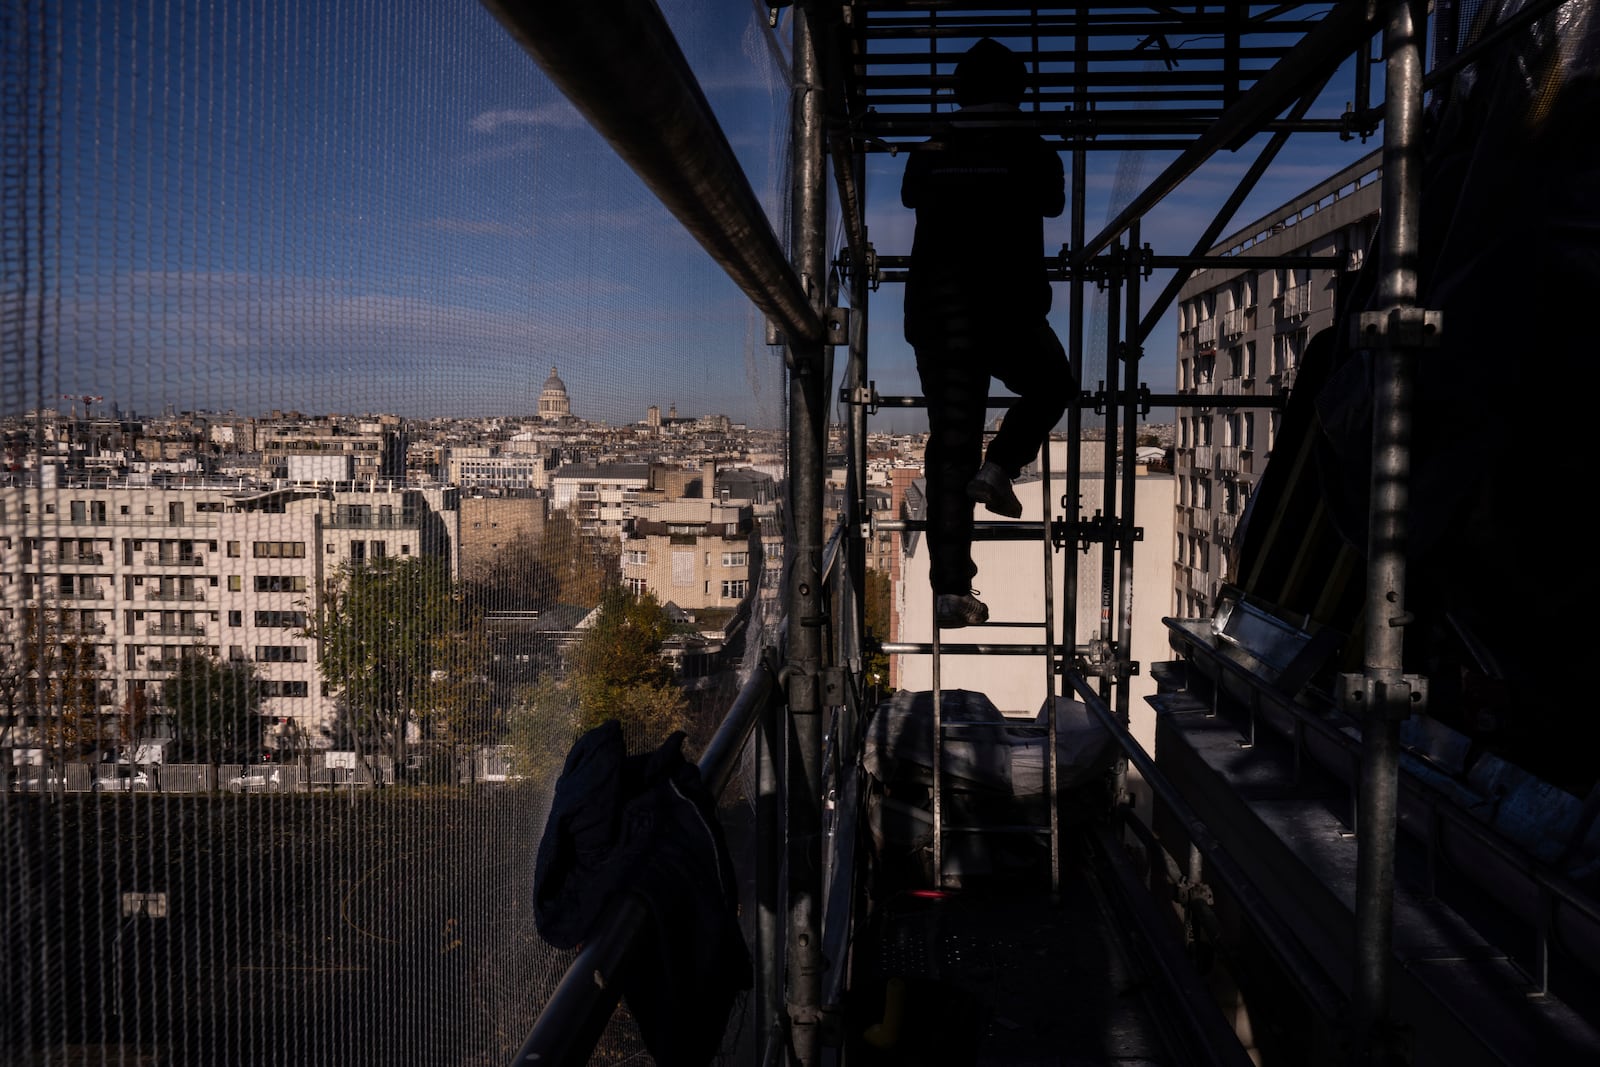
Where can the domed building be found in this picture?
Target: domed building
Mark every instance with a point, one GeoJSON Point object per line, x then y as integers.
{"type": "Point", "coordinates": [553, 403]}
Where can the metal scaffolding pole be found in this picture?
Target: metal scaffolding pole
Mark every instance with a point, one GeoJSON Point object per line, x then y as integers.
{"type": "Point", "coordinates": [1393, 333]}
{"type": "Point", "coordinates": [808, 416]}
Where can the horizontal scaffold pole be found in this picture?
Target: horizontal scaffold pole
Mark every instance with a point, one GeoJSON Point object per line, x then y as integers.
{"type": "Point", "coordinates": [621, 67]}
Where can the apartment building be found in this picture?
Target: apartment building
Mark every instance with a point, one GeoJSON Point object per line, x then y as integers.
{"type": "Point", "coordinates": [139, 575]}
{"type": "Point", "coordinates": [601, 497]}
{"type": "Point", "coordinates": [1242, 335]}
{"type": "Point", "coordinates": [375, 448]}
{"type": "Point", "coordinates": [695, 553]}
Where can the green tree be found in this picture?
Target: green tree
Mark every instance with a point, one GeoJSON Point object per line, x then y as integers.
{"type": "Point", "coordinates": [215, 707]}
{"type": "Point", "coordinates": [380, 633]}
{"type": "Point", "coordinates": [584, 568]}
{"type": "Point", "coordinates": [618, 671]}
{"type": "Point", "coordinates": [541, 725]}
{"type": "Point", "coordinates": [877, 607]}
{"type": "Point", "coordinates": [463, 709]}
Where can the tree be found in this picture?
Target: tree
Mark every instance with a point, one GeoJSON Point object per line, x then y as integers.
{"type": "Point", "coordinates": [462, 705]}
{"type": "Point", "coordinates": [619, 673]}
{"type": "Point", "coordinates": [585, 568]}
{"type": "Point", "coordinates": [215, 707]}
{"type": "Point", "coordinates": [59, 676]}
{"type": "Point", "coordinates": [380, 637]}
{"type": "Point", "coordinates": [878, 600]}
{"type": "Point", "coordinates": [559, 565]}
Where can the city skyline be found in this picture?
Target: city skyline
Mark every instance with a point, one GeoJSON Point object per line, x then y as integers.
{"type": "Point", "coordinates": [297, 213]}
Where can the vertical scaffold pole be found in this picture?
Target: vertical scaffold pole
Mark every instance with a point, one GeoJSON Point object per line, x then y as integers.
{"type": "Point", "coordinates": [1392, 333]}
{"type": "Point", "coordinates": [808, 416]}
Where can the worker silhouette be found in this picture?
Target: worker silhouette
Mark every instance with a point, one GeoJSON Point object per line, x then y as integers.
{"type": "Point", "coordinates": [976, 302]}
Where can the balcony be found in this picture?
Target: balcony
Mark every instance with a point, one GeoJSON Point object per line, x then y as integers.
{"type": "Point", "coordinates": [1228, 459]}
{"type": "Point", "coordinates": [157, 559]}
{"type": "Point", "coordinates": [1202, 458]}
{"type": "Point", "coordinates": [1235, 321]}
{"type": "Point", "coordinates": [73, 559]}
{"type": "Point", "coordinates": [1206, 334]}
{"type": "Point", "coordinates": [77, 594]}
{"type": "Point", "coordinates": [160, 663]}
{"type": "Point", "coordinates": [178, 595]}
{"type": "Point", "coordinates": [156, 629]}
{"type": "Point", "coordinates": [1295, 304]}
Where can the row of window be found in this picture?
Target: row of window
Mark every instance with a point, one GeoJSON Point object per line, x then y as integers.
{"type": "Point", "coordinates": [732, 588]}
{"type": "Point", "coordinates": [640, 556]}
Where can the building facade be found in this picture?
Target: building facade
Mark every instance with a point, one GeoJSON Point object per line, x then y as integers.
{"type": "Point", "coordinates": [695, 553]}
{"type": "Point", "coordinates": [1242, 335]}
{"type": "Point", "coordinates": [137, 576]}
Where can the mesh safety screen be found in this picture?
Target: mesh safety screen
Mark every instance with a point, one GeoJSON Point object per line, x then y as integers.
{"type": "Point", "coordinates": [338, 353]}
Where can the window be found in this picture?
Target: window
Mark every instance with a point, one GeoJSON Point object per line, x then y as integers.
{"type": "Point", "coordinates": [233, 550]}
{"type": "Point", "coordinates": [378, 549]}
{"type": "Point", "coordinates": [235, 618]}
{"type": "Point", "coordinates": [735, 588]}
{"type": "Point", "coordinates": [1236, 361]}
{"type": "Point", "coordinates": [636, 586]}
{"type": "Point", "coordinates": [235, 583]}
{"type": "Point", "coordinates": [683, 568]}
{"type": "Point", "coordinates": [280, 583]}
{"type": "Point", "coordinates": [279, 549]}
{"type": "Point", "coordinates": [281, 619]}
{"type": "Point", "coordinates": [636, 555]}
{"type": "Point", "coordinates": [280, 654]}
{"type": "Point", "coordinates": [1249, 368]}
{"type": "Point", "coordinates": [273, 687]}
{"type": "Point", "coordinates": [80, 511]}
{"type": "Point", "coordinates": [736, 559]}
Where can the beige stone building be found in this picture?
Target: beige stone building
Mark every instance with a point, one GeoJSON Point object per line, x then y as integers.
{"type": "Point", "coordinates": [694, 553]}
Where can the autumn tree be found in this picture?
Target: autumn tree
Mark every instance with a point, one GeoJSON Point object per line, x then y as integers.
{"type": "Point", "coordinates": [619, 673]}
{"type": "Point", "coordinates": [59, 683]}
{"type": "Point", "coordinates": [381, 636]}
{"type": "Point", "coordinates": [215, 707]}
{"type": "Point", "coordinates": [559, 565]}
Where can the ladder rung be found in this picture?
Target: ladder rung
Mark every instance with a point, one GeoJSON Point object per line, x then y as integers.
{"type": "Point", "coordinates": [1000, 828]}
{"type": "Point", "coordinates": [982, 529]}
{"type": "Point", "coordinates": [951, 648]}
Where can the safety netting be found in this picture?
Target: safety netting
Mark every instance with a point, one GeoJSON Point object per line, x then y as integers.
{"type": "Point", "coordinates": [370, 432]}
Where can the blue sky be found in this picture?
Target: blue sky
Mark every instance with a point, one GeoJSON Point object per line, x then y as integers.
{"type": "Point", "coordinates": [350, 205]}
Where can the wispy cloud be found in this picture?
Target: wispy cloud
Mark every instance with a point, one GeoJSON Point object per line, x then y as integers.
{"type": "Point", "coordinates": [559, 114]}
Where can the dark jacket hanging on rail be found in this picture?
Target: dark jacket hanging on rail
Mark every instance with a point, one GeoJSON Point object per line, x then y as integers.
{"type": "Point", "coordinates": [647, 824]}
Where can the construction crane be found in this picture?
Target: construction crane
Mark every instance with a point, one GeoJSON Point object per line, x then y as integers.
{"type": "Point", "coordinates": [87, 401]}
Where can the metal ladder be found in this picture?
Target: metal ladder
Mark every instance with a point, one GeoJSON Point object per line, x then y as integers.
{"type": "Point", "coordinates": [1000, 530]}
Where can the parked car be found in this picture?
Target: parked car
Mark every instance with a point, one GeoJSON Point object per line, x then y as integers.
{"type": "Point", "coordinates": [41, 779]}
{"type": "Point", "coordinates": [254, 780]}
{"type": "Point", "coordinates": [121, 778]}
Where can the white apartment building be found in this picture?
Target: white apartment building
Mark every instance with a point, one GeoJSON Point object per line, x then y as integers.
{"type": "Point", "coordinates": [695, 553]}
{"type": "Point", "coordinates": [147, 573]}
{"type": "Point", "coordinates": [600, 497]}
{"type": "Point", "coordinates": [494, 467]}
{"type": "Point", "coordinates": [1242, 335]}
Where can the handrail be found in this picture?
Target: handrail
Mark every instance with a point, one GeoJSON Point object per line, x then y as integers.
{"type": "Point", "coordinates": [572, 1020]}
